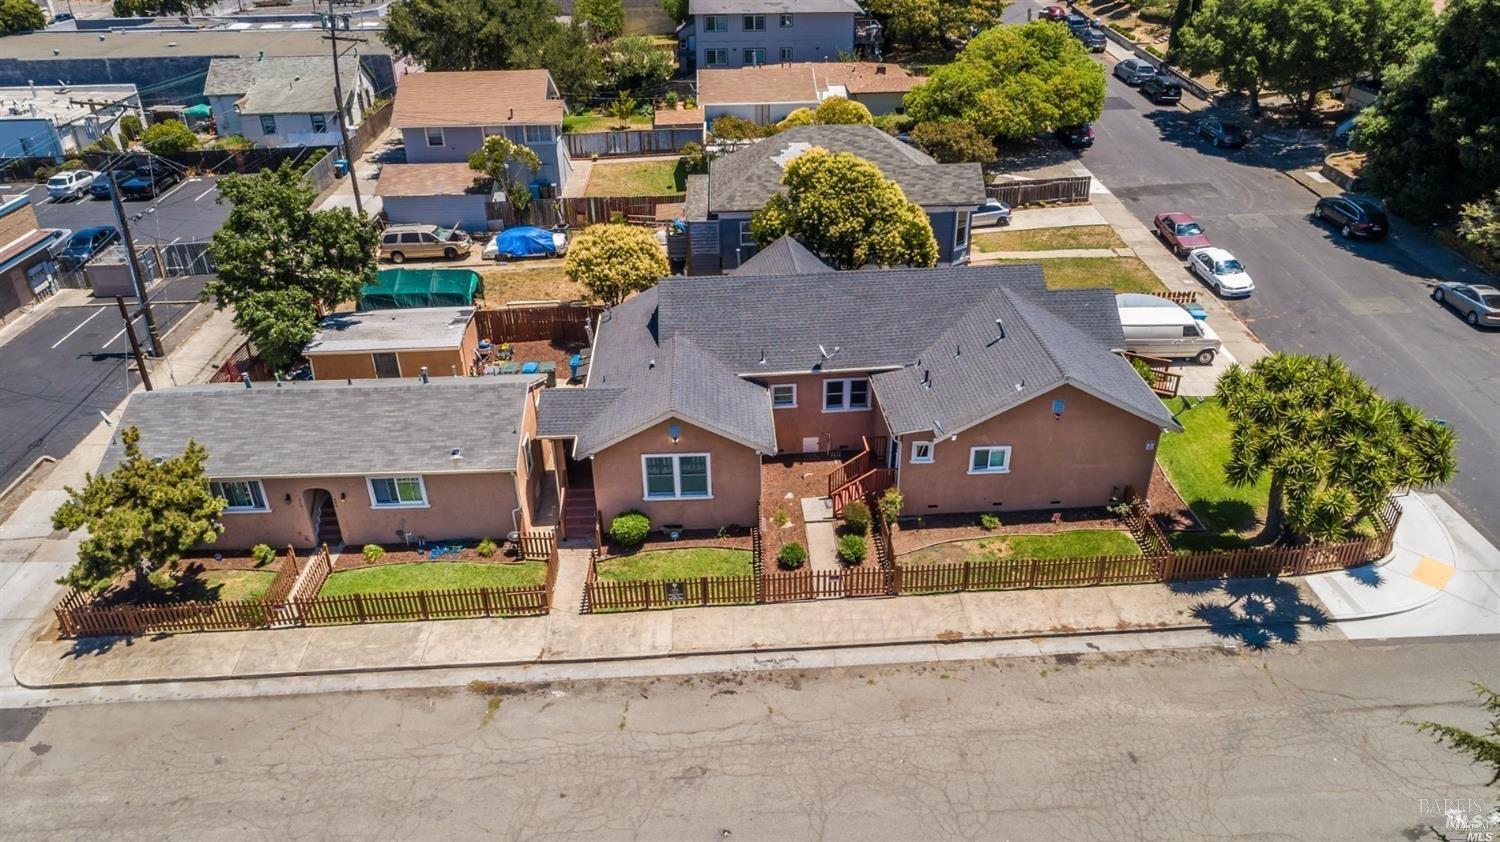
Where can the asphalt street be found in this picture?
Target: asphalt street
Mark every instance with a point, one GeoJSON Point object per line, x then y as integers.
{"type": "Point", "coordinates": [58, 375]}
{"type": "Point", "coordinates": [187, 212]}
{"type": "Point", "coordinates": [1301, 743]}
{"type": "Point", "coordinates": [1367, 302]}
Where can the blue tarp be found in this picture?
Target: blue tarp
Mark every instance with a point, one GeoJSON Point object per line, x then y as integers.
{"type": "Point", "coordinates": [524, 241]}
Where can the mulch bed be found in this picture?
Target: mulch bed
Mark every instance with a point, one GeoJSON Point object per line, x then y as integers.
{"type": "Point", "coordinates": [230, 560]}
{"type": "Point", "coordinates": [936, 529]}
{"type": "Point", "coordinates": [353, 559]}
{"type": "Point", "coordinates": [798, 476]}
{"type": "Point", "coordinates": [731, 539]}
{"type": "Point", "coordinates": [1167, 507]}
{"type": "Point", "coordinates": [543, 351]}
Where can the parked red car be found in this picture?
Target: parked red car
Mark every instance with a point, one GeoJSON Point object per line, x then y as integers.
{"type": "Point", "coordinates": [1054, 13]}
{"type": "Point", "coordinates": [1181, 232]}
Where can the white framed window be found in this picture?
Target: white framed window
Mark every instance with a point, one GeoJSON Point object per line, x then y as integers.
{"type": "Point", "coordinates": [675, 476]}
{"type": "Point", "coordinates": [786, 21]}
{"type": "Point", "coordinates": [921, 451]}
{"type": "Point", "coordinates": [268, 124]}
{"type": "Point", "coordinates": [716, 23]}
{"type": "Point", "coordinates": [716, 58]}
{"type": "Point", "coordinates": [994, 459]}
{"type": "Point", "coordinates": [538, 134]}
{"type": "Point", "coordinates": [850, 394]}
{"type": "Point", "coordinates": [434, 135]}
{"type": "Point", "coordinates": [754, 23]}
{"type": "Point", "coordinates": [319, 122]}
{"type": "Point", "coordinates": [397, 492]}
{"type": "Point", "coordinates": [756, 56]}
{"type": "Point", "coordinates": [961, 232]}
{"type": "Point", "coordinates": [242, 495]}
{"type": "Point", "coordinates": [1058, 405]}
{"type": "Point", "coordinates": [783, 395]}
{"type": "Point", "coordinates": [786, 53]}
{"type": "Point", "coordinates": [747, 238]}
{"type": "Point", "coordinates": [526, 452]}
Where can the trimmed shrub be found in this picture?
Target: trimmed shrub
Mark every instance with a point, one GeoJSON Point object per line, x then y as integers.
{"type": "Point", "coordinates": [792, 555]}
{"type": "Point", "coordinates": [131, 127]}
{"type": "Point", "coordinates": [989, 521]}
{"type": "Point", "coordinates": [486, 548]}
{"type": "Point", "coordinates": [730, 127]}
{"type": "Point", "coordinates": [890, 505]}
{"type": "Point", "coordinates": [894, 124]}
{"type": "Point", "coordinates": [630, 528]}
{"type": "Point", "coordinates": [853, 548]}
{"type": "Point", "coordinates": [857, 517]}
{"type": "Point", "coordinates": [373, 552]}
{"type": "Point", "coordinates": [263, 554]}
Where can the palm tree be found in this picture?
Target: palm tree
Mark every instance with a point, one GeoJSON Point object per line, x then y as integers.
{"type": "Point", "coordinates": [1334, 448]}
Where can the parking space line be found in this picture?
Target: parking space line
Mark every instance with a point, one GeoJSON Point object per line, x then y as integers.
{"type": "Point", "coordinates": [205, 193]}
{"type": "Point", "coordinates": [76, 329]}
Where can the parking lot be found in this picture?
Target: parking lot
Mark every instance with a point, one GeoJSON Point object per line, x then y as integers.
{"type": "Point", "coordinates": [185, 213]}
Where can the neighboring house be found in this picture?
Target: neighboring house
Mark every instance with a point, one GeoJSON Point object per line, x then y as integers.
{"type": "Point", "coordinates": [394, 343]}
{"type": "Point", "coordinates": [737, 33]}
{"type": "Point", "coordinates": [445, 117]}
{"type": "Point", "coordinates": [439, 194]}
{"type": "Point", "coordinates": [27, 272]}
{"type": "Point", "coordinates": [974, 388]}
{"type": "Point", "coordinates": [49, 122]}
{"type": "Point", "coordinates": [376, 461]}
{"type": "Point", "coordinates": [286, 100]}
{"type": "Point", "coordinates": [767, 94]}
{"type": "Point", "coordinates": [718, 205]}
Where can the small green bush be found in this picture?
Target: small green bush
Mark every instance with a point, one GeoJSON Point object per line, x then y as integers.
{"type": "Point", "coordinates": [890, 505]}
{"type": "Point", "coordinates": [263, 554]}
{"type": "Point", "coordinates": [857, 518]}
{"type": "Point", "coordinates": [630, 528]}
{"type": "Point", "coordinates": [694, 159]}
{"type": "Point", "coordinates": [989, 521]}
{"type": "Point", "coordinates": [780, 518]}
{"type": "Point", "coordinates": [373, 552]}
{"type": "Point", "coordinates": [852, 549]}
{"type": "Point", "coordinates": [791, 555]}
{"type": "Point", "coordinates": [894, 124]}
{"type": "Point", "coordinates": [486, 548]}
{"type": "Point", "coordinates": [131, 127]}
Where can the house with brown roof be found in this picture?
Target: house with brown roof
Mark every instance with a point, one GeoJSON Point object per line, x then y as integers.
{"type": "Point", "coordinates": [766, 94]}
{"type": "Point", "coordinates": [444, 117]}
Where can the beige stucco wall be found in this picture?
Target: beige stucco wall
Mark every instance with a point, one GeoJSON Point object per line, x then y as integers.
{"type": "Point", "coordinates": [530, 481]}
{"type": "Point", "coordinates": [477, 505]}
{"type": "Point", "coordinates": [733, 470]}
{"type": "Point", "coordinates": [1093, 452]}
{"type": "Point", "coordinates": [361, 365]}
{"type": "Point", "coordinates": [808, 420]}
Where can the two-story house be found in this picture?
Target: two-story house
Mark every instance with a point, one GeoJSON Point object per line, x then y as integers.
{"type": "Point", "coordinates": [719, 205]}
{"type": "Point", "coordinates": [286, 100]}
{"type": "Point", "coordinates": [766, 94]}
{"type": "Point", "coordinates": [736, 33]}
{"type": "Point", "coordinates": [445, 117]}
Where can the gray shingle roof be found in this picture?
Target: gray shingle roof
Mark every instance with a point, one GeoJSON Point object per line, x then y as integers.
{"type": "Point", "coordinates": [691, 346]}
{"type": "Point", "coordinates": [328, 428]}
{"type": "Point", "coordinates": [747, 7]}
{"type": "Point", "coordinates": [281, 84]}
{"type": "Point", "coordinates": [744, 180]}
{"type": "Point", "coordinates": [786, 256]}
{"type": "Point", "coordinates": [391, 330]}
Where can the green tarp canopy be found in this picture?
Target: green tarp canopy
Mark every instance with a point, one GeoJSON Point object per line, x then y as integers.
{"type": "Point", "coordinates": [198, 112]}
{"type": "Point", "coordinates": [404, 289]}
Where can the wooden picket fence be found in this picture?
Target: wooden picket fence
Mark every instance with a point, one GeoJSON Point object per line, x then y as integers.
{"type": "Point", "coordinates": [631, 142]}
{"type": "Point", "coordinates": [545, 323]}
{"type": "Point", "coordinates": [79, 614]}
{"type": "Point", "coordinates": [1068, 190]}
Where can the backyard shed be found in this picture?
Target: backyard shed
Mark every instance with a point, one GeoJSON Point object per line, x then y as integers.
{"type": "Point", "coordinates": [394, 343]}
{"type": "Point", "coordinates": [405, 289]}
{"type": "Point", "coordinates": [436, 194]}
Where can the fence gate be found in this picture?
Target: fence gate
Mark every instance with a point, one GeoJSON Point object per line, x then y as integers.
{"type": "Point", "coordinates": [188, 259]}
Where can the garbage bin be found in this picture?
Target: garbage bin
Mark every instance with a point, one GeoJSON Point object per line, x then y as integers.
{"type": "Point", "coordinates": [341, 167]}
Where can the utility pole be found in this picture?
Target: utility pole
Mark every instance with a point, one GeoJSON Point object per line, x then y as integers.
{"type": "Point", "coordinates": [338, 96]}
{"type": "Point", "coordinates": [135, 266]}
{"type": "Point", "coordinates": [135, 345]}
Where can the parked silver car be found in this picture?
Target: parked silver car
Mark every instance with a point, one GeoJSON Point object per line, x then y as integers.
{"type": "Point", "coordinates": [1133, 71]}
{"type": "Point", "coordinates": [992, 212]}
{"type": "Point", "coordinates": [1479, 304]}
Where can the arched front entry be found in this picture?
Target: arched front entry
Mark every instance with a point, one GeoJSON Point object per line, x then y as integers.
{"type": "Point", "coordinates": [324, 516]}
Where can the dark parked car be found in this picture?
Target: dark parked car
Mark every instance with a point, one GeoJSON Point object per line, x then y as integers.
{"type": "Point", "coordinates": [1134, 71]}
{"type": "Point", "coordinates": [1076, 137]}
{"type": "Point", "coordinates": [100, 188]}
{"type": "Point", "coordinates": [1354, 216]}
{"type": "Point", "coordinates": [1161, 90]}
{"type": "Point", "coordinates": [149, 183]}
{"type": "Point", "coordinates": [1075, 20]}
{"type": "Point", "coordinates": [1092, 37]}
{"type": "Point", "coordinates": [1225, 135]}
{"type": "Point", "coordinates": [85, 244]}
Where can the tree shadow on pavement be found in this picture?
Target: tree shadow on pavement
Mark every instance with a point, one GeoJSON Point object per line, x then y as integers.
{"type": "Point", "coordinates": [1278, 150]}
{"type": "Point", "coordinates": [1258, 613]}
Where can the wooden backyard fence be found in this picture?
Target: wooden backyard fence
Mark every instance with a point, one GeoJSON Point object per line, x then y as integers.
{"type": "Point", "coordinates": [81, 614]}
{"type": "Point", "coordinates": [1070, 190]}
{"type": "Point", "coordinates": [631, 142]}
{"type": "Point", "coordinates": [553, 322]}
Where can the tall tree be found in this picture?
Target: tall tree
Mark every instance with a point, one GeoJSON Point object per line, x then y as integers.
{"type": "Point", "coordinates": [281, 264]}
{"type": "Point", "coordinates": [20, 16]}
{"type": "Point", "coordinates": [635, 65]}
{"type": "Point", "coordinates": [1015, 82]}
{"type": "Point", "coordinates": [502, 159]}
{"type": "Point", "coordinates": [1181, 14]}
{"type": "Point", "coordinates": [169, 136]}
{"type": "Point", "coordinates": [612, 261]}
{"type": "Point", "coordinates": [931, 23]}
{"type": "Point", "coordinates": [1391, 29]}
{"type": "Point", "coordinates": [953, 142]}
{"type": "Point", "coordinates": [601, 19]}
{"type": "Point", "coordinates": [677, 10]}
{"type": "Point", "coordinates": [141, 516]}
{"type": "Point", "coordinates": [847, 212]}
{"type": "Point", "coordinates": [1484, 746]}
{"type": "Point", "coordinates": [1479, 224]}
{"type": "Point", "coordinates": [1432, 138]}
{"type": "Point", "coordinates": [1334, 448]}
{"type": "Point", "coordinates": [157, 8]}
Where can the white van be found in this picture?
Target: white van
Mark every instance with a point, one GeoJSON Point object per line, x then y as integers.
{"type": "Point", "coordinates": [1156, 327]}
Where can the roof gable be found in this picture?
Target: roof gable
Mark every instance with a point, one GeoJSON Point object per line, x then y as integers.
{"type": "Point", "coordinates": [477, 98]}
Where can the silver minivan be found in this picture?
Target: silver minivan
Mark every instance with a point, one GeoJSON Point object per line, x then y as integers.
{"type": "Point", "coordinates": [1156, 327]}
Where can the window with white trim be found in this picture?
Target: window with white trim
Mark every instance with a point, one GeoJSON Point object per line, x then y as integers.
{"type": "Point", "coordinates": [846, 395]}
{"type": "Point", "coordinates": [538, 134]}
{"type": "Point", "coordinates": [921, 451]}
{"type": "Point", "coordinates": [716, 57]}
{"type": "Point", "coordinates": [783, 395]}
{"type": "Point", "coordinates": [319, 122]}
{"type": "Point", "coordinates": [786, 21]}
{"type": "Point", "coordinates": [747, 238]}
{"type": "Point", "coordinates": [961, 233]}
{"type": "Point", "coordinates": [241, 495]}
{"type": "Point", "coordinates": [754, 23]}
{"type": "Point", "coordinates": [434, 135]}
{"type": "Point", "coordinates": [397, 492]}
{"type": "Point", "coordinates": [755, 57]}
{"type": "Point", "coordinates": [786, 53]}
{"type": "Point", "coordinates": [715, 23]}
{"type": "Point", "coordinates": [989, 460]}
{"type": "Point", "coordinates": [675, 476]}
{"type": "Point", "coordinates": [268, 124]}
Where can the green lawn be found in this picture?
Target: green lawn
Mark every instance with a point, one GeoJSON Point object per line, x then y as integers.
{"type": "Point", "coordinates": [433, 576]}
{"type": "Point", "coordinates": [1194, 460]}
{"type": "Point", "coordinates": [1122, 274]}
{"type": "Point", "coordinates": [636, 178]}
{"type": "Point", "coordinates": [1046, 239]}
{"type": "Point", "coordinates": [232, 585]}
{"type": "Point", "coordinates": [1076, 543]}
{"type": "Point", "coordinates": [601, 123]}
{"type": "Point", "coordinates": [676, 564]}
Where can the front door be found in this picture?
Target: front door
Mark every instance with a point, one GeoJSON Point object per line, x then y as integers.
{"type": "Point", "coordinates": [386, 365]}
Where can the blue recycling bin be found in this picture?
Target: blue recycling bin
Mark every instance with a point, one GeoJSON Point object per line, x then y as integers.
{"type": "Point", "coordinates": [341, 167]}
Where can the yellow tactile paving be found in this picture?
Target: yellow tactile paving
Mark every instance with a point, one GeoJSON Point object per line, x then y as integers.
{"type": "Point", "coordinates": [1433, 573]}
